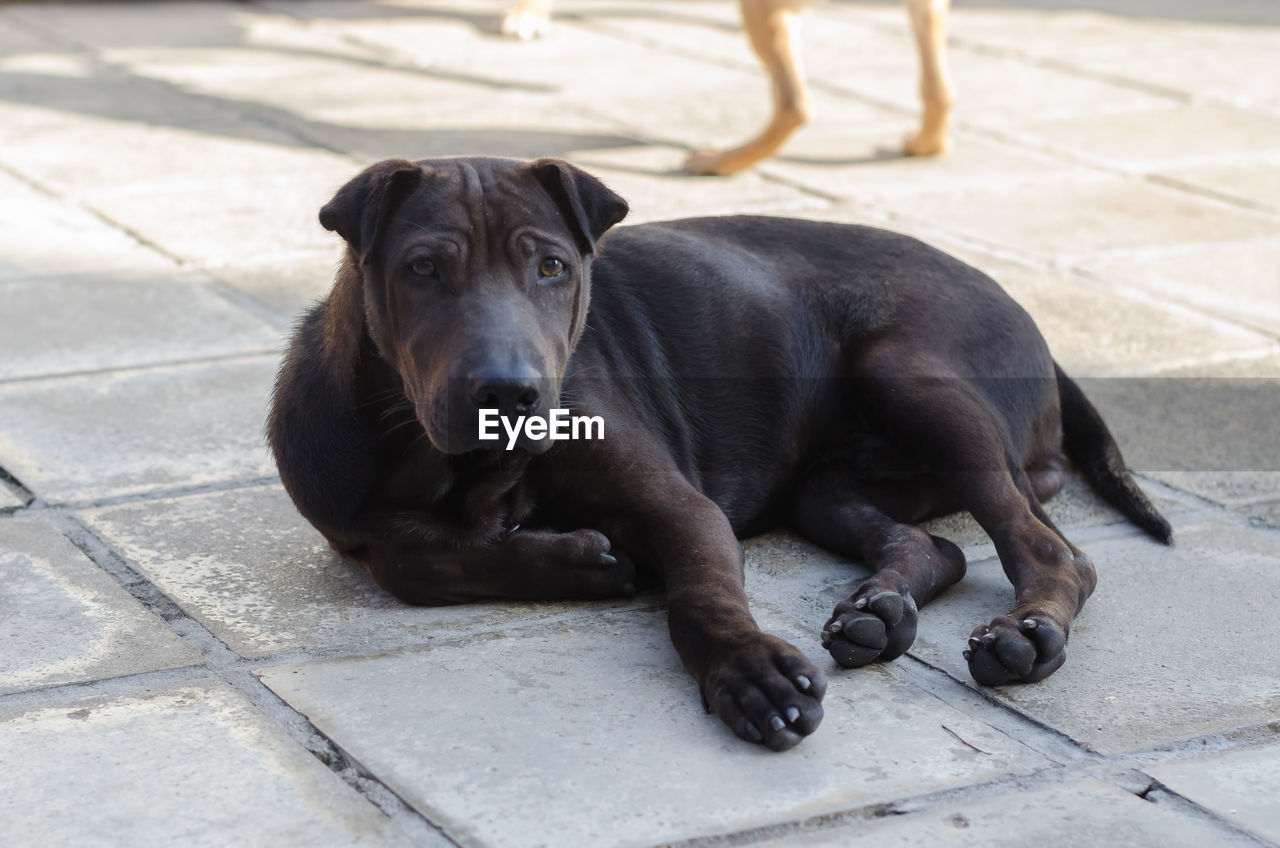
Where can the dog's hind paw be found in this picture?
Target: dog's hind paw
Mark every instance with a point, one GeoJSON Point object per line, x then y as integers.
{"type": "Point", "coordinates": [926, 144]}
{"type": "Point", "coordinates": [1013, 650]}
{"type": "Point", "coordinates": [525, 25]}
{"type": "Point", "coordinates": [876, 624]}
{"type": "Point", "coordinates": [767, 692]}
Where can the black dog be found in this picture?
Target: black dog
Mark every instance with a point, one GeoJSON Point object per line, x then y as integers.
{"type": "Point", "coordinates": [844, 381]}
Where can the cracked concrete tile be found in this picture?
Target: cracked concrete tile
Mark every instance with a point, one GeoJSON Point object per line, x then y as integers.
{"type": "Point", "coordinates": [117, 433]}
{"type": "Point", "coordinates": [249, 568]}
{"type": "Point", "coordinates": [184, 764]}
{"type": "Point", "coordinates": [506, 739]}
{"type": "Point", "coordinates": [1242, 786]}
{"type": "Point", "coordinates": [82, 324]}
{"type": "Point", "coordinates": [1082, 814]}
{"type": "Point", "coordinates": [1160, 652]}
{"type": "Point", "coordinates": [67, 621]}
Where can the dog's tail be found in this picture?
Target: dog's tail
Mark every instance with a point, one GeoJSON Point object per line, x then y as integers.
{"type": "Point", "coordinates": [1089, 444]}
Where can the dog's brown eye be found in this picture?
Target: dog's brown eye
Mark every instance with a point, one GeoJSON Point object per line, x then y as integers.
{"type": "Point", "coordinates": [423, 267]}
{"type": "Point", "coordinates": [550, 267]}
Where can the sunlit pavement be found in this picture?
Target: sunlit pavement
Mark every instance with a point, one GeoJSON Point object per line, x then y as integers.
{"type": "Point", "coordinates": [184, 662]}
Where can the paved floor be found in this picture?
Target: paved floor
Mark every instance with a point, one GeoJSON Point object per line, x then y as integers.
{"type": "Point", "coordinates": [183, 662]}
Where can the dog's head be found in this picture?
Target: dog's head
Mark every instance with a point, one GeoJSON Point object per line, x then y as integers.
{"type": "Point", "coordinates": [476, 280]}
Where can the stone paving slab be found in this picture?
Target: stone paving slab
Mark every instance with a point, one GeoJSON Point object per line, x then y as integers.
{"type": "Point", "coordinates": [188, 764]}
{"type": "Point", "coordinates": [250, 569]}
{"type": "Point", "coordinates": [994, 90]}
{"type": "Point", "coordinates": [1242, 786]}
{"type": "Point", "coordinates": [1249, 270]}
{"type": "Point", "coordinates": [67, 621]}
{"type": "Point", "coordinates": [1044, 217]}
{"type": "Point", "coordinates": [9, 500]}
{"type": "Point", "coordinates": [1162, 651]}
{"type": "Point", "coordinates": [1268, 513]}
{"type": "Point", "coordinates": [43, 236]}
{"type": "Point", "coordinates": [649, 179]}
{"type": "Point", "coordinates": [1180, 136]}
{"type": "Point", "coordinates": [473, 733]}
{"type": "Point", "coordinates": [1256, 181]}
{"type": "Point", "coordinates": [117, 433]}
{"type": "Point", "coordinates": [286, 284]}
{"type": "Point", "coordinates": [82, 323]}
{"type": "Point", "coordinates": [1084, 814]}
{"type": "Point", "coordinates": [1181, 55]}
{"type": "Point", "coordinates": [845, 154]}
{"type": "Point", "coordinates": [124, 24]}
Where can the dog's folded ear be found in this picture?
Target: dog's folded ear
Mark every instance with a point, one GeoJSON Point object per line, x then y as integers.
{"type": "Point", "coordinates": [586, 203]}
{"type": "Point", "coordinates": [358, 209]}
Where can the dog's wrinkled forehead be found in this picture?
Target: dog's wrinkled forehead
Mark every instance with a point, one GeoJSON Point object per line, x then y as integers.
{"type": "Point", "coordinates": [479, 200]}
{"type": "Point", "coordinates": [475, 197]}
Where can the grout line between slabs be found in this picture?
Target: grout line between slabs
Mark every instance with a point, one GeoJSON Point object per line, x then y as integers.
{"type": "Point", "coordinates": [226, 665]}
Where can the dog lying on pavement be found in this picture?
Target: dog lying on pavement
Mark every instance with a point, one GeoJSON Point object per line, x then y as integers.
{"type": "Point", "coordinates": [748, 372]}
{"type": "Point", "coordinates": [771, 29]}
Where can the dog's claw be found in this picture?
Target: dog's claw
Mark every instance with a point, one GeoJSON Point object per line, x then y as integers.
{"type": "Point", "coordinates": [793, 713]}
{"type": "Point", "coordinates": [1013, 650]}
{"type": "Point", "coordinates": [803, 683]}
{"type": "Point", "coordinates": [776, 722]}
{"type": "Point", "coordinates": [967, 654]}
{"type": "Point", "coordinates": [861, 603]}
{"type": "Point", "coordinates": [754, 732]}
{"type": "Point", "coordinates": [608, 559]}
{"type": "Point", "coordinates": [835, 627]}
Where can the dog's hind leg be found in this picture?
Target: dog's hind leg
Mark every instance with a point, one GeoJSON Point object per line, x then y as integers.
{"type": "Point", "coordinates": [771, 29]}
{"type": "Point", "coordinates": [928, 23]}
{"type": "Point", "coordinates": [874, 522]}
{"type": "Point", "coordinates": [962, 435]}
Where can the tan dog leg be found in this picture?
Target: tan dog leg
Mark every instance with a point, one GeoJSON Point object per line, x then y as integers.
{"type": "Point", "coordinates": [928, 22]}
{"type": "Point", "coordinates": [527, 19]}
{"type": "Point", "coordinates": [770, 26]}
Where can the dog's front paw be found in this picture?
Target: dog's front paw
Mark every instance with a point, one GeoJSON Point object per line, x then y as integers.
{"type": "Point", "coordinates": [876, 624]}
{"type": "Point", "coordinates": [1016, 650]}
{"type": "Point", "coordinates": [590, 568]}
{"type": "Point", "coordinates": [766, 691]}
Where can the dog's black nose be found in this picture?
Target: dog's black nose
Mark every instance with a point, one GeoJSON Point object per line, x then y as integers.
{"type": "Point", "coordinates": [509, 393]}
